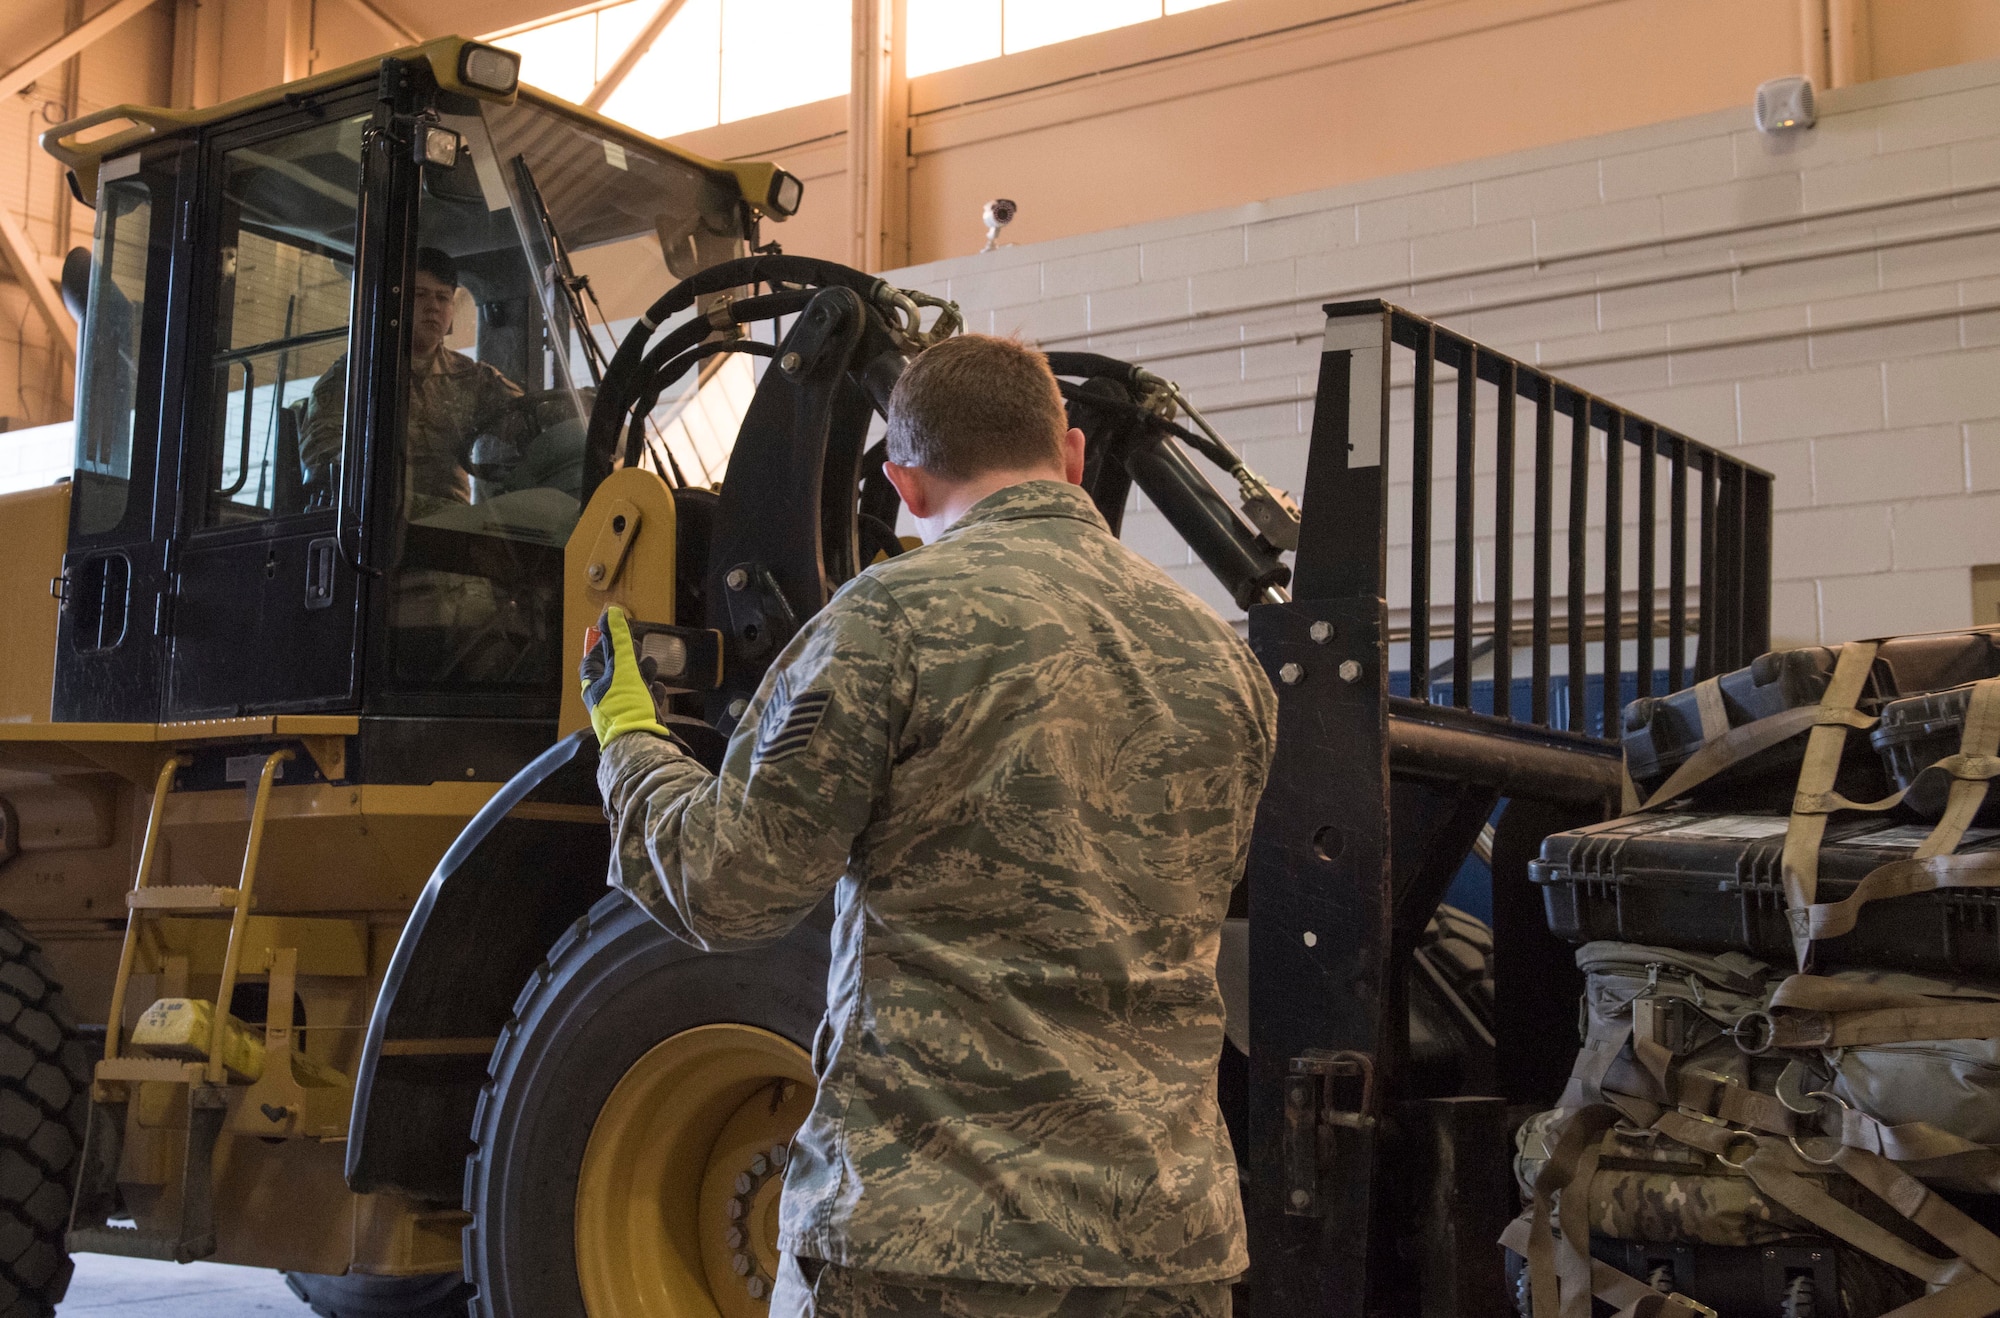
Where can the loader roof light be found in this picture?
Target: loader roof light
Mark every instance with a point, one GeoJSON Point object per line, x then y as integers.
{"type": "Point", "coordinates": [489, 68]}
{"type": "Point", "coordinates": [785, 194]}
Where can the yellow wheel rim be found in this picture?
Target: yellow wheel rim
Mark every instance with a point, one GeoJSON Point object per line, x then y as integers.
{"type": "Point", "coordinates": [677, 1202]}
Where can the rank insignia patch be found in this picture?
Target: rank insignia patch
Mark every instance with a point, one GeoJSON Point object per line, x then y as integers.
{"type": "Point", "coordinates": [788, 729]}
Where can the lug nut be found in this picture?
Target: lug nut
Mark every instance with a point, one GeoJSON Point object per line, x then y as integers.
{"type": "Point", "coordinates": [759, 1165]}
{"type": "Point", "coordinates": [744, 1183]}
{"type": "Point", "coordinates": [736, 1210]}
{"type": "Point", "coordinates": [778, 1155]}
{"type": "Point", "coordinates": [1350, 670]}
{"type": "Point", "coordinates": [756, 1287]}
{"type": "Point", "coordinates": [1291, 674]}
{"type": "Point", "coordinates": [742, 1265]}
{"type": "Point", "coordinates": [1321, 632]}
{"type": "Point", "coordinates": [737, 578]}
{"type": "Point", "coordinates": [734, 1238]}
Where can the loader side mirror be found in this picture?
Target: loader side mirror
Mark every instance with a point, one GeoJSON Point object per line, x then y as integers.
{"type": "Point", "coordinates": [76, 281]}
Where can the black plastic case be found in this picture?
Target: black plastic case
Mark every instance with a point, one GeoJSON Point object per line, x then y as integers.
{"type": "Point", "coordinates": [1916, 733]}
{"type": "Point", "coordinates": [1661, 732]}
{"type": "Point", "coordinates": [1712, 883]}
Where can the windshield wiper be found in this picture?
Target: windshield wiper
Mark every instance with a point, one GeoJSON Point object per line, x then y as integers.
{"type": "Point", "coordinates": [574, 287]}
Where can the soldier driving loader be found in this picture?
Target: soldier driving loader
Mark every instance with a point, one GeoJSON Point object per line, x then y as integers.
{"type": "Point", "coordinates": [1026, 762]}
{"type": "Point", "coordinates": [454, 400]}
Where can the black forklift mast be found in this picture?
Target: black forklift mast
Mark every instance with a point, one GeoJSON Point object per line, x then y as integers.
{"type": "Point", "coordinates": [1366, 1196]}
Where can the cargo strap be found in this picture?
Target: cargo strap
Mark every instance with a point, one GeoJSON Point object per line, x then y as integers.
{"type": "Point", "coordinates": [1898, 878]}
{"type": "Point", "coordinates": [1972, 770]}
{"type": "Point", "coordinates": [1808, 1011]}
{"type": "Point", "coordinates": [1833, 716]}
{"type": "Point", "coordinates": [1563, 1281]}
{"type": "Point", "coordinates": [1738, 744]}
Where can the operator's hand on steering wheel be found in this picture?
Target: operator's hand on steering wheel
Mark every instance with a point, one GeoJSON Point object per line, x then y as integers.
{"type": "Point", "coordinates": [615, 689]}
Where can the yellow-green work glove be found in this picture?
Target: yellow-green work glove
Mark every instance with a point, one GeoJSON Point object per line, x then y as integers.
{"type": "Point", "coordinates": [614, 688]}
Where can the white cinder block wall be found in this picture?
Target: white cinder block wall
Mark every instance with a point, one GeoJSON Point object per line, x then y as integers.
{"type": "Point", "coordinates": [1825, 305]}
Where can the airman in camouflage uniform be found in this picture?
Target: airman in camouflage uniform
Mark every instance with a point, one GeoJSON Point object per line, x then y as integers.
{"type": "Point", "coordinates": [1026, 763]}
{"type": "Point", "coordinates": [453, 400]}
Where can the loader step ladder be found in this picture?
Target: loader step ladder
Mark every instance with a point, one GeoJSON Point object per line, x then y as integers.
{"type": "Point", "coordinates": [116, 1076]}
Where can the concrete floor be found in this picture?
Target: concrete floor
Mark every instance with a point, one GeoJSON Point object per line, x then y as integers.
{"type": "Point", "coordinates": [115, 1286]}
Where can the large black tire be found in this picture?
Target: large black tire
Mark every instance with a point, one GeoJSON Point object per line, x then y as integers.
{"type": "Point", "coordinates": [44, 1102]}
{"type": "Point", "coordinates": [442, 1295]}
{"type": "Point", "coordinates": [613, 986]}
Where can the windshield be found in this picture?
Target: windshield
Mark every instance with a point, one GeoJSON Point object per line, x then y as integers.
{"type": "Point", "coordinates": [535, 252]}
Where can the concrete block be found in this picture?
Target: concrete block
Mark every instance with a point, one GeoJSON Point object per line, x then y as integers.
{"type": "Point", "coordinates": [1878, 467]}
{"type": "Point", "coordinates": [1530, 322]}
{"type": "Point", "coordinates": [1726, 207]}
{"type": "Point", "coordinates": [1590, 228]}
{"type": "Point", "coordinates": [1663, 171]}
{"type": "Point", "coordinates": [1836, 402]}
{"type": "Point", "coordinates": [1038, 321]}
{"type": "Point", "coordinates": [1470, 249]}
{"type": "Point", "coordinates": [1270, 361]}
{"type": "Point", "coordinates": [1816, 542]}
{"type": "Point", "coordinates": [1886, 178]}
{"type": "Point", "coordinates": [1244, 286]}
{"type": "Point", "coordinates": [1140, 304]}
{"type": "Point", "coordinates": [1536, 192]}
{"type": "Point", "coordinates": [1958, 386]}
{"type": "Point", "coordinates": [1836, 138]}
{"type": "Point", "coordinates": [1930, 120]}
{"type": "Point", "coordinates": [1794, 614]}
{"type": "Point", "coordinates": [1414, 215]}
{"type": "Point", "coordinates": [1982, 455]}
{"type": "Point", "coordinates": [1894, 303]}
{"type": "Point", "coordinates": [1298, 235]}
{"type": "Point", "coordinates": [1932, 533]}
{"type": "Point", "coordinates": [1787, 283]}
{"type": "Point", "coordinates": [1975, 164]}
{"type": "Point", "coordinates": [1979, 331]}
{"type": "Point", "coordinates": [1737, 361]}
{"type": "Point", "coordinates": [1913, 338]}
{"type": "Point", "coordinates": [1941, 260]}
{"type": "Point", "coordinates": [1889, 603]}
{"type": "Point", "coordinates": [1171, 258]}
{"type": "Point", "coordinates": [1705, 413]}
{"type": "Point", "coordinates": [1091, 271]}
{"type": "Point", "coordinates": [1669, 300]}
{"type": "Point", "coordinates": [997, 287]}
{"type": "Point", "coordinates": [1324, 274]}
{"type": "Point", "coordinates": [1790, 463]}
{"type": "Point", "coordinates": [1619, 378]}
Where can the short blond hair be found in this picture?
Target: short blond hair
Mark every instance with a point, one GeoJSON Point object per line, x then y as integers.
{"type": "Point", "coordinates": [974, 404]}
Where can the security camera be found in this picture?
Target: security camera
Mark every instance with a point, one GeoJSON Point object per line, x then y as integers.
{"type": "Point", "coordinates": [997, 215]}
{"type": "Point", "coordinates": [1784, 104]}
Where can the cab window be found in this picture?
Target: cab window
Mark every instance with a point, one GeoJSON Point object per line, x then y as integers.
{"type": "Point", "coordinates": [108, 396]}
{"type": "Point", "coordinates": [283, 300]}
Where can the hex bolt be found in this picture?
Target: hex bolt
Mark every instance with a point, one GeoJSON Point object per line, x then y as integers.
{"type": "Point", "coordinates": [736, 1210]}
{"type": "Point", "coordinates": [1311, 938]}
{"type": "Point", "coordinates": [778, 1155]}
{"type": "Point", "coordinates": [1301, 1198]}
{"type": "Point", "coordinates": [759, 1165]}
{"type": "Point", "coordinates": [743, 1183]}
{"type": "Point", "coordinates": [741, 1263]}
{"type": "Point", "coordinates": [737, 579]}
{"type": "Point", "coordinates": [595, 572]}
{"type": "Point", "coordinates": [734, 1239]}
{"type": "Point", "coordinates": [789, 362]}
{"type": "Point", "coordinates": [1350, 670]}
{"type": "Point", "coordinates": [737, 706]}
{"type": "Point", "coordinates": [756, 1287]}
{"type": "Point", "coordinates": [1321, 632]}
{"type": "Point", "coordinates": [1291, 674]}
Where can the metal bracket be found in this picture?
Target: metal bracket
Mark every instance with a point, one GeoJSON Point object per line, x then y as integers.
{"type": "Point", "coordinates": [1316, 1118]}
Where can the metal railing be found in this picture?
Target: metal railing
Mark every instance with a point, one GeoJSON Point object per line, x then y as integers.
{"type": "Point", "coordinates": [1693, 600]}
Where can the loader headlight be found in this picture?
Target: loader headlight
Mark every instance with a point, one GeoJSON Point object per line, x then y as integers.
{"type": "Point", "coordinates": [489, 68]}
{"type": "Point", "coordinates": [783, 197]}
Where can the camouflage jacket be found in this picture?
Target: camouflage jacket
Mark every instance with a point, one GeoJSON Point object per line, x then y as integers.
{"type": "Point", "coordinates": [453, 401]}
{"type": "Point", "coordinates": [1026, 763]}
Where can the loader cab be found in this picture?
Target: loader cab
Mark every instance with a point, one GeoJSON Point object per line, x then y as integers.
{"type": "Point", "coordinates": [304, 482]}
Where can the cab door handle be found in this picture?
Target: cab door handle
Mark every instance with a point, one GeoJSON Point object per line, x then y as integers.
{"type": "Point", "coordinates": [322, 563]}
